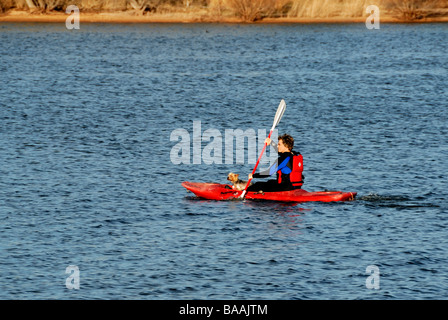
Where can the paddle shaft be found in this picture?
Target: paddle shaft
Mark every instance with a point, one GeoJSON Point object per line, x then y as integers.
{"type": "Point", "coordinates": [278, 115]}
{"type": "Point", "coordinates": [256, 165]}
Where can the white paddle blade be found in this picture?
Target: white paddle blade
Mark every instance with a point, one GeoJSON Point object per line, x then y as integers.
{"type": "Point", "coordinates": [278, 115]}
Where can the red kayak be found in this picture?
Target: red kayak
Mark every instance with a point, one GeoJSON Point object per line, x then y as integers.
{"type": "Point", "coordinates": [216, 191]}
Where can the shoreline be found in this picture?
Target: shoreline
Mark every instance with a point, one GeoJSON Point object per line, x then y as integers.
{"type": "Point", "coordinates": [129, 17]}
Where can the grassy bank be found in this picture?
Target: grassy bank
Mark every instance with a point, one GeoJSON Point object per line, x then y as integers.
{"type": "Point", "coordinates": [224, 10]}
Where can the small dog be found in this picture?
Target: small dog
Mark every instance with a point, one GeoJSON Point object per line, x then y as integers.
{"type": "Point", "coordinates": [238, 184]}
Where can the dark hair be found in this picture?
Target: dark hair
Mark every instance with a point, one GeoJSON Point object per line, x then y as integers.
{"type": "Point", "coordinates": [288, 141]}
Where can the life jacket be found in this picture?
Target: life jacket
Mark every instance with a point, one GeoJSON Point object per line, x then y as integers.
{"type": "Point", "coordinates": [295, 177]}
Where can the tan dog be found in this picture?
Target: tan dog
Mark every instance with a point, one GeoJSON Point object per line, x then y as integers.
{"type": "Point", "coordinates": [237, 183]}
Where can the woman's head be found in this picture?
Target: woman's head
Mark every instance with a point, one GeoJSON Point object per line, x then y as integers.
{"type": "Point", "coordinates": [285, 143]}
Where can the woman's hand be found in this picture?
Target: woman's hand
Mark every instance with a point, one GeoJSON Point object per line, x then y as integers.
{"type": "Point", "coordinates": [267, 141]}
{"type": "Point", "coordinates": [250, 176]}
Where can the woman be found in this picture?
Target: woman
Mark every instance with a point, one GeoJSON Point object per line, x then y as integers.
{"type": "Point", "coordinates": [289, 167]}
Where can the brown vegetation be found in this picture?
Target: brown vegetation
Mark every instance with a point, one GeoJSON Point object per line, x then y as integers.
{"type": "Point", "coordinates": [252, 10]}
{"type": "Point", "coordinates": [417, 9]}
{"type": "Point", "coordinates": [244, 10]}
{"type": "Point", "coordinates": [328, 8]}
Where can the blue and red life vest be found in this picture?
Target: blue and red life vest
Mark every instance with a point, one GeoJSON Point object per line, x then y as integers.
{"type": "Point", "coordinates": [292, 168]}
{"type": "Point", "coordinates": [289, 168]}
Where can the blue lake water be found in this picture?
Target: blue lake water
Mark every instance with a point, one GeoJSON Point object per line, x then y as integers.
{"type": "Point", "coordinates": [86, 177]}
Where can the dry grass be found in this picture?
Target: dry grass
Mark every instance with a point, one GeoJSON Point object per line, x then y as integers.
{"type": "Point", "coordinates": [252, 10]}
{"type": "Point", "coordinates": [246, 10]}
{"type": "Point", "coordinates": [5, 5]}
{"type": "Point", "coordinates": [415, 9]}
{"type": "Point", "coordinates": [328, 8]}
